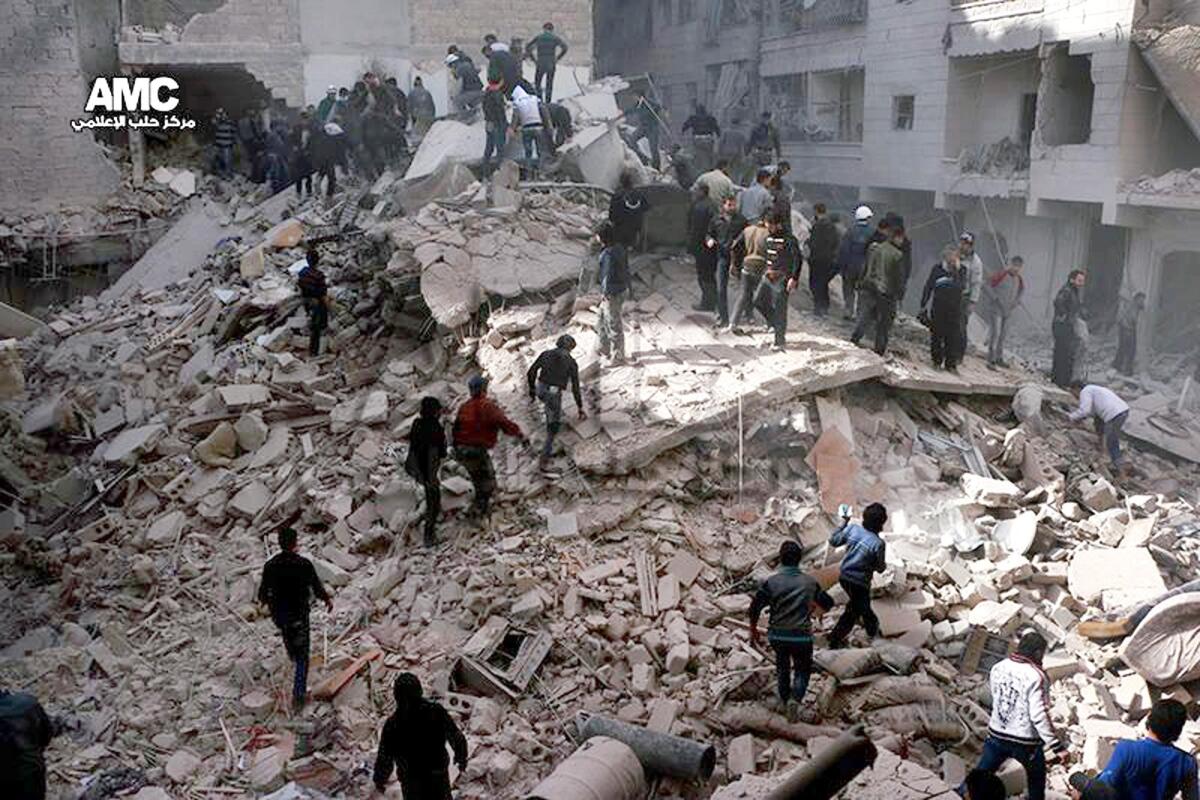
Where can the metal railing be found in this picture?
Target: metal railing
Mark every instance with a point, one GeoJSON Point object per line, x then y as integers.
{"type": "Point", "coordinates": [805, 15]}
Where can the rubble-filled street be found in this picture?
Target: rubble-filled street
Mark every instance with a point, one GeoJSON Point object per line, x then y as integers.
{"type": "Point", "coordinates": [511, 446]}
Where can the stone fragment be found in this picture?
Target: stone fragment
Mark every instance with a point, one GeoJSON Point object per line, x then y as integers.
{"type": "Point", "coordinates": [219, 448]}
{"type": "Point", "coordinates": [741, 755]}
{"type": "Point", "coordinates": [388, 576]}
{"type": "Point", "coordinates": [253, 497]}
{"type": "Point", "coordinates": [686, 567]}
{"type": "Point", "coordinates": [990, 492]}
{"type": "Point", "coordinates": [131, 443]}
{"type": "Point", "coordinates": [1098, 494]}
{"type": "Point", "coordinates": [677, 658]}
{"type": "Point", "coordinates": [182, 765]}
{"type": "Point", "coordinates": [248, 395]}
{"type": "Point", "coordinates": [1127, 573]}
{"type": "Point", "coordinates": [251, 431]}
{"type": "Point", "coordinates": [167, 528]}
{"type": "Point", "coordinates": [375, 408]}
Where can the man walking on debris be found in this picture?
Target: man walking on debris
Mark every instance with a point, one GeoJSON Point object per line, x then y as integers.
{"type": "Point", "coordinates": [700, 216]}
{"type": "Point", "coordinates": [783, 265]}
{"type": "Point", "coordinates": [972, 266]}
{"type": "Point", "coordinates": [1109, 413]}
{"type": "Point", "coordinates": [466, 88]}
{"type": "Point", "coordinates": [822, 250]}
{"type": "Point", "coordinates": [626, 211]}
{"type": "Point", "coordinates": [1068, 314]}
{"type": "Point", "coordinates": [747, 259]}
{"type": "Point", "coordinates": [25, 733]}
{"type": "Point", "coordinates": [426, 450]}
{"type": "Point", "coordinates": [476, 428]}
{"type": "Point", "coordinates": [421, 106]}
{"type": "Point", "coordinates": [1127, 328]}
{"type": "Point", "coordinates": [314, 292]}
{"type": "Point", "coordinates": [723, 231]}
{"type": "Point", "coordinates": [546, 49]}
{"type": "Point", "coordinates": [880, 289]}
{"type": "Point", "coordinates": [495, 123]}
{"type": "Point", "coordinates": [1154, 768]}
{"type": "Point", "coordinates": [941, 308]}
{"type": "Point", "coordinates": [646, 117]}
{"type": "Point", "coordinates": [852, 257]}
{"type": "Point", "coordinates": [288, 583]}
{"type": "Point", "coordinates": [1001, 295]}
{"type": "Point", "coordinates": [614, 283]}
{"type": "Point", "coordinates": [792, 598]}
{"type": "Point", "coordinates": [1020, 724]}
{"type": "Point", "coordinates": [548, 379]}
{"type": "Point", "coordinates": [413, 743]}
{"type": "Point", "coordinates": [866, 554]}
{"type": "Point", "coordinates": [527, 115]}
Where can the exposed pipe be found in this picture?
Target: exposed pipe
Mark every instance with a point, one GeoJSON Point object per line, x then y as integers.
{"type": "Point", "coordinates": [834, 767]}
{"type": "Point", "coordinates": [660, 753]}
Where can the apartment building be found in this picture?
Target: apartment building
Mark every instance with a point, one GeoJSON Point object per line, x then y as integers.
{"type": "Point", "coordinates": [1059, 130]}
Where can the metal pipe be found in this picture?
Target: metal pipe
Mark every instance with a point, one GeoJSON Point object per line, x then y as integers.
{"type": "Point", "coordinates": [660, 753]}
{"type": "Point", "coordinates": [834, 767]}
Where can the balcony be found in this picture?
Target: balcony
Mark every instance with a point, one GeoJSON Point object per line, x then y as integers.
{"type": "Point", "coordinates": [805, 16]}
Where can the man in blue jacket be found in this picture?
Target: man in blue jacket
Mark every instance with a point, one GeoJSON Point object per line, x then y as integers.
{"type": "Point", "coordinates": [865, 555]}
{"type": "Point", "coordinates": [852, 257]}
{"type": "Point", "coordinates": [1154, 768]}
{"type": "Point", "coordinates": [792, 597]}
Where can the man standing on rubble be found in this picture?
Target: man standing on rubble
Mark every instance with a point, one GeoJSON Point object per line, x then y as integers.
{"type": "Point", "coordinates": [700, 216]}
{"type": "Point", "coordinates": [822, 250]}
{"type": "Point", "coordinates": [941, 308]}
{"type": "Point", "coordinates": [413, 743]}
{"type": "Point", "coordinates": [646, 117]}
{"type": "Point", "coordinates": [1020, 725]}
{"type": "Point", "coordinates": [1127, 333]}
{"type": "Point", "coordinates": [1109, 414]}
{"type": "Point", "coordinates": [314, 292]}
{"type": "Point", "coordinates": [476, 428]}
{"type": "Point", "coordinates": [705, 130]}
{"type": "Point", "coordinates": [747, 261]}
{"type": "Point", "coordinates": [426, 450]}
{"type": "Point", "coordinates": [25, 733]}
{"type": "Point", "coordinates": [724, 230]}
{"type": "Point", "coordinates": [717, 179]}
{"type": "Point", "coordinates": [627, 210]}
{"type": "Point", "coordinates": [1001, 295]}
{"type": "Point", "coordinates": [495, 122]}
{"type": "Point", "coordinates": [548, 378]}
{"type": "Point", "coordinates": [546, 49]}
{"type": "Point", "coordinates": [764, 142]}
{"type": "Point", "coordinates": [527, 116]}
{"type": "Point", "coordinates": [614, 284]}
{"type": "Point", "coordinates": [866, 554]}
{"type": "Point", "coordinates": [1068, 313]}
{"type": "Point", "coordinates": [466, 88]}
{"type": "Point", "coordinates": [421, 106]}
{"type": "Point", "coordinates": [792, 597]}
{"type": "Point", "coordinates": [289, 582]}
{"type": "Point", "coordinates": [1154, 768]}
{"type": "Point", "coordinates": [224, 137]}
{"type": "Point", "coordinates": [852, 257]}
{"type": "Point", "coordinates": [881, 288]}
{"type": "Point", "coordinates": [972, 266]}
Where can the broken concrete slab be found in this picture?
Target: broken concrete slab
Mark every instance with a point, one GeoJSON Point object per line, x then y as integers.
{"type": "Point", "coordinates": [240, 396]}
{"type": "Point", "coordinates": [1114, 577]}
{"type": "Point", "coordinates": [219, 448]}
{"type": "Point", "coordinates": [129, 444]}
{"type": "Point", "coordinates": [447, 141]}
{"type": "Point", "coordinates": [252, 499]}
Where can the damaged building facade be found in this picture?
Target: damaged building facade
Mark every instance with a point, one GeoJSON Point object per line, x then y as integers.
{"type": "Point", "coordinates": [1064, 132]}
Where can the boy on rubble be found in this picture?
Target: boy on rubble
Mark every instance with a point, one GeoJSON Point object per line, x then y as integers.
{"type": "Point", "coordinates": [548, 378]}
{"type": "Point", "coordinates": [865, 556]}
{"type": "Point", "coordinates": [1153, 768]}
{"type": "Point", "coordinates": [792, 597]}
{"type": "Point", "coordinates": [476, 428]}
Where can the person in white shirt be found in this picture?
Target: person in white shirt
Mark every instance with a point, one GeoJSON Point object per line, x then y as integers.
{"type": "Point", "coordinates": [1109, 413]}
{"type": "Point", "coordinates": [527, 117]}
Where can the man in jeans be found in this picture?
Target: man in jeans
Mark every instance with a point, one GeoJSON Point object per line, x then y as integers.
{"type": "Point", "coordinates": [614, 284]}
{"type": "Point", "coordinates": [495, 122]}
{"type": "Point", "coordinates": [1020, 724]}
{"type": "Point", "coordinates": [723, 231]}
{"type": "Point", "coordinates": [792, 597]}
{"type": "Point", "coordinates": [865, 555]}
{"type": "Point", "coordinates": [748, 261]}
{"type": "Point", "coordinates": [548, 379]}
{"type": "Point", "coordinates": [289, 582]}
{"type": "Point", "coordinates": [1001, 295]}
{"type": "Point", "coordinates": [1109, 412]}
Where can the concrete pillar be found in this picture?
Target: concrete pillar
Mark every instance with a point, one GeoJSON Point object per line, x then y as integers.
{"type": "Point", "coordinates": [137, 153]}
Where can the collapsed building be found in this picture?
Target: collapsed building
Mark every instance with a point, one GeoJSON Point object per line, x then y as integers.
{"type": "Point", "coordinates": [1059, 131]}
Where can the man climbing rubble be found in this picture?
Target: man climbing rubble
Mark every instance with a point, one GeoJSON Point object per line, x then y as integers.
{"type": "Point", "coordinates": [289, 581]}
{"type": "Point", "coordinates": [426, 450]}
{"type": "Point", "coordinates": [25, 733]}
{"type": "Point", "coordinates": [314, 292]}
{"type": "Point", "coordinates": [792, 598]}
{"type": "Point", "coordinates": [476, 428]}
{"type": "Point", "coordinates": [1020, 723]}
{"type": "Point", "coordinates": [413, 744]}
{"type": "Point", "coordinates": [548, 379]}
{"type": "Point", "coordinates": [1109, 414]}
{"type": "Point", "coordinates": [866, 554]}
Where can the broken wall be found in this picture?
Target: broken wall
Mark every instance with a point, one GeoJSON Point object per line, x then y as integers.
{"type": "Point", "coordinates": [433, 29]}
{"type": "Point", "coordinates": [43, 162]}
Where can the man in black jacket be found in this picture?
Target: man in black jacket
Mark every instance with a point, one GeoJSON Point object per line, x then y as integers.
{"type": "Point", "coordinates": [700, 216]}
{"type": "Point", "coordinates": [626, 211]}
{"type": "Point", "coordinates": [1068, 311]}
{"type": "Point", "coordinates": [288, 583]}
{"type": "Point", "coordinates": [314, 292]}
{"type": "Point", "coordinates": [792, 597]}
{"type": "Point", "coordinates": [25, 733]}
{"type": "Point", "coordinates": [548, 379]}
{"type": "Point", "coordinates": [823, 243]}
{"type": "Point", "coordinates": [723, 231]}
{"type": "Point", "coordinates": [546, 49]}
{"type": "Point", "coordinates": [941, 304]}
{"type": "Point", "coordinates": [784, 262]}
{"type": "Point", "coordinates": [413, 743]}
{"type": "Point", "coordinates": [426, 449]}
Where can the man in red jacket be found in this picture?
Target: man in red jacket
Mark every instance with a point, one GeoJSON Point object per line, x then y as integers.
{"type": "Point", "coordinates": [476, 428]}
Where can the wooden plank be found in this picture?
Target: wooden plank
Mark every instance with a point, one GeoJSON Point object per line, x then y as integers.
{"type": "Point", "coordinates": [647, 583]}
{"type": "Point", "coordinates": [335, 683]}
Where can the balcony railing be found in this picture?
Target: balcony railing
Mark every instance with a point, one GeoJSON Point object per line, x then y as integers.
{"type": "Point", "coordinates": [804, 15]}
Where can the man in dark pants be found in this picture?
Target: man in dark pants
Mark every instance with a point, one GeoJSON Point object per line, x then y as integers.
{"type": "Point", "coordinates": [288, 583]}
{"type": "Point", "coordinates": [783, 265]}
{"type": "Point", "coordinates": [823, 243]}
{"type": "Point", "coordinates": [1020, 723]}
{"type": "Point", "coordinates": [1068, 311]}
{"type": "Point", "coordinates": [852, 258]}
{"type": "Point", "coordinates": [25, 733]}
{"type": "Point", "coordinates": [314, 292]}
{"type": "Point", "coordinates": [546, 49]}
{"type": "Point", "coordinates": [1109, 413]}
{"type": "Point", "coordinates": [646, 116]}
{"type": "Point", "coordinates": [792, 597]}
{"type": "Point", "coordinates": [548, 378]}
{"type": "Point", "coordinates": [941, 303]}
{"type": "Point", "coordinates": [865, 556]}
{"type": "Point", "coordinates": [426, 449]}
{"type": "Point", "coordinates": [1127, 334]}
{"type": "Point", "coordinates": [747, 262]}
{"type": "Point", "coordinates": [627, 211]}
{"type": "Point", "coordinates": [700, 216]}
{"type": "Point", "coordinates": [880, 289]}
{"type": "Point", "coordinates": [723, 231]}
{"type": "Point", "coordinates": [476, 429]}
{"type": "Point", "coordinates": [413, 743]}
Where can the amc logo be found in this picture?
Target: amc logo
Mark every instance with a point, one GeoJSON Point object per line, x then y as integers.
{"type": "Point", "coordinates": [133, 94]}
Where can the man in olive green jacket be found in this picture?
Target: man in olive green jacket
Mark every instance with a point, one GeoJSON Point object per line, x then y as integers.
{"type": "Point", "coordinates": [880, 289]}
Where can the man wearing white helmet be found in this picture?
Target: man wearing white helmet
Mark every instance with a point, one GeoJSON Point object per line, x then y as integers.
{"type": "Point", "coordinates": [852, 257]}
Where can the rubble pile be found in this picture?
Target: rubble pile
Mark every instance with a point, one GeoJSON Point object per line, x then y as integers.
{"type": "Point", "coordinates": [1005, 157]}
{"type": "Point", "coordinates": [1183, 182]}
